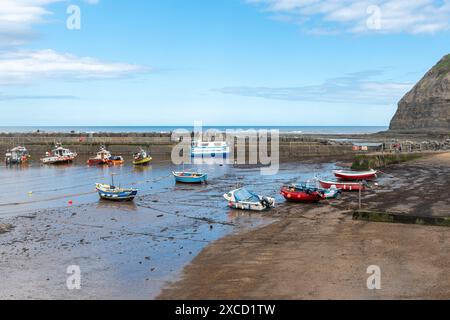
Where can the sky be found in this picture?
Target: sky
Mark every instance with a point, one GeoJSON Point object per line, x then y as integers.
{"type": "Point", "coordinates": [222, 62]}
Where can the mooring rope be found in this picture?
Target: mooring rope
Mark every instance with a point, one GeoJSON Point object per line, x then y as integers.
{"type": "Point", "coordinates": [204, 219]}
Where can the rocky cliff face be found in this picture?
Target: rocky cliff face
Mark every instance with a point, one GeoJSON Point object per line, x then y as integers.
{"type": "Point", "coordinates": [426, 108]}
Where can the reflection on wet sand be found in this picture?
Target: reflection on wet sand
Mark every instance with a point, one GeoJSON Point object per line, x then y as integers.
{"type": "Point", "coordinates": [125, 206]}
{"type": "Point", "coordinates": [139, 169]}
{"type": "Point", "coordinates": [126, 250]}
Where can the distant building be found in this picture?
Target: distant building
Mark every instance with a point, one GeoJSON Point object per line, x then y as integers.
{"type": "Point", "coordinates": [367, 146]}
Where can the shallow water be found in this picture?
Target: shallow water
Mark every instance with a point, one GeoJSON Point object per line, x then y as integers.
{"type": "Point", "coordinates": [125, 250]}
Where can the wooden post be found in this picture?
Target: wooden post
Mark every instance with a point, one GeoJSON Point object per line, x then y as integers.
{"type": "Point", "coordinates": [360, 193]}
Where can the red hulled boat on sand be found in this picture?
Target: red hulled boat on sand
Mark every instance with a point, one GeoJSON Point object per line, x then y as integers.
{"type": "Point", "coordinates": [102, 157]}
{"type": "Point", "coordinates": [355, 175]}
{"type": "Point", "coordinates": [296, 195]}
{"type": "Point", "coordinates": [344, 186]}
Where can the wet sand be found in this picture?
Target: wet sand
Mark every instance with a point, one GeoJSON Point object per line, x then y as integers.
{"type": "Point", "coordinates": [319, 252]}
{"type": "Point", "coordinates": [124, 250]}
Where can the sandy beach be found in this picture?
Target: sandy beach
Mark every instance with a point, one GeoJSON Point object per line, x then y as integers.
{"type": "Point", "coordinates": [319, 252]}
{"type": "Point", "coordinates": [229, 150]}
{"type": "Point", "coordinates": [183, 242]}
{"type": "Point", "coordinates": [124, 250]}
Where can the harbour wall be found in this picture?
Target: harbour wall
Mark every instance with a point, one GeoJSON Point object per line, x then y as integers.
{"type": "Point", "coordinates": [161, 144]}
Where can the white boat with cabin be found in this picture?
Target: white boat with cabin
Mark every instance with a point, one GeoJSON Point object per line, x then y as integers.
{"type": "Point", "coordinates": [59, 155]}
{"type": "Point", "coordinates": [210, 149]}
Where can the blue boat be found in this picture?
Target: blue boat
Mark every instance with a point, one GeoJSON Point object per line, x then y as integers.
{"type": "Point", "coordinates": [190, 177]}
{"type": "Point", "coordinates": [108, 192]}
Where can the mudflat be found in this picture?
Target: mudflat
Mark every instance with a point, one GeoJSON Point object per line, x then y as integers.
{"type": "Point", "coordinates": [319, 252]}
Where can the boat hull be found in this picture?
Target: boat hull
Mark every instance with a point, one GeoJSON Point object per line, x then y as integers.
{"type": "Point", "coordinates": [57, 160]}
{"type": "Point", "coordinates": [142, 162]}
{"type": "Point", "coordinates": [120, 195]}
{"type": "Point", "coordinates": [96, 162]}
{"type": "Point", "coordinates": [353, 176]}
{"type": "Point", "coordinates": [259, 203]}
{"type": "Point", "coordinates": [126, 196]}
{"type": "Point", "coordinates": [219, 154]}
{"type": "Point", "coordinates": [301, 196]}
{"type": "Point", "coordinates": [343, 186]}
{"type": "Point", "coordinates": [11, 162]}
{"type": "Point", "coordinates": [116, 162]}
{"type": "Point", "coordinates": [191, 179]}
{"type": "Point", "coordinates": [248, 206]}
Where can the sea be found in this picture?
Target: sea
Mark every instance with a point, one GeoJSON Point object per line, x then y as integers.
{"type": "Point", "coordinates": [167, 129]}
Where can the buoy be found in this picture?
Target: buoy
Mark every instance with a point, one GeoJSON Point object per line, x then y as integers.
{"type": "Point", "coordinates": [70, 202]}
{"type": "Point", "coordinates": [30, 193]}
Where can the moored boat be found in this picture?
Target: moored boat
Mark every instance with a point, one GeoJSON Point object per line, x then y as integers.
{"type": "Point", "coordinates": [308, 195]}
{"type": "Point", "coordinates": [190, 177]}
{"type": "Point", "coordinates": [142, 158]}
{"type": "Point", "coordinates": [110, 192]}
{"type": "Point", "coordinates": [328, 193]}
{"type": "Point", "coordinates": [59, 155]}
{"type": "Point", "coordinates": [344, 186]}
{"type": "Point", "coordinates": [355, 175]}
{"type": "Point", "coordinates": [101, 158]}
{"type": "Point", "coordinates": [246, 200]}
{"type": "Point", "coordinates": [18, 155]}
{"type": "Point", "coordinates": [331, 193]}
{"type": "Point", "coordinates": [210, 149]}
{"type": "Point", "coordinates": [113, 193]}
{"type": "Point", "coordinates": [116, 160]}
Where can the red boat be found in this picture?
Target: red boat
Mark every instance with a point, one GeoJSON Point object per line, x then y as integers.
{"type": "Point", "coordinates": [102, 157]}
{"type": "Point", "coordinates": [355, 175]}
{"type": "Point", "coordinates": [344, 186]}
{"type": "Point", "coordinates": [295, 195]}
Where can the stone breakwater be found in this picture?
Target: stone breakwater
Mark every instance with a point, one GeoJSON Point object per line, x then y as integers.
{"type": "Point", "coordinates": [291, 146]}
{"type": "Point", "coordinates": [87, 144]}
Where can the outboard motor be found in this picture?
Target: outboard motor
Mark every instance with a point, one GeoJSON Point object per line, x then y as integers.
{"type": "Point", "coordinates": [265, 202]}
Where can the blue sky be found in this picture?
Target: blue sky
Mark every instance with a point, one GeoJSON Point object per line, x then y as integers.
{"type": "Point", "coordinates": [224, 62]}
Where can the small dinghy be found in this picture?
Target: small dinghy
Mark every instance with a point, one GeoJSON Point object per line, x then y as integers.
{"type": "Point", "coordinates": [142, 158]}
{"type": "Point", "coordinates": [306, 195]}
{"type": "Point", "coordinates": [59, 155]}
{"type": "Point", "coordinates": [18, 155]}
{"type": "Point", "coordinates": [331, 193]}
{"type": "Point", "coordinates": [355, 175]}
{"type": "Point", "coordinates": [344, 186]}
{"type": "Point", "coordinates": [109, 192]}
{"type": "Point", "coordinates": [113, 193]}
{"type": "Point", "coordinates": [246, 200]}
{"type": "Point", "coordinates": [190, 177]}
{"type": "Point", "coordinates": [116, 160]}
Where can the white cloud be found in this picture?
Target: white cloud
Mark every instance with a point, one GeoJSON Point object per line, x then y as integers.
{"type": "Point", "coordinates": [355, 88]}
{"type": "Point", "coordinates": [395, 16]}
{"type": "Point", "coordinates": [17, 17]}
{"type": "Point", "coordinates": [27, 66]}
